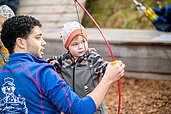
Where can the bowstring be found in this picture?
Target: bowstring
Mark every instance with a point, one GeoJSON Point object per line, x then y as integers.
{"type": "Point", "coordinates": [108, 45]}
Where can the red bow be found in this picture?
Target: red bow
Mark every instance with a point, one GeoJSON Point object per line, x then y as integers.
{"type": "Point", "coordinates": [108, 45]}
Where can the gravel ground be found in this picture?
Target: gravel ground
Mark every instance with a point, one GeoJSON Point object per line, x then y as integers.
{"type": "Point", "coordinates": [140, 96]}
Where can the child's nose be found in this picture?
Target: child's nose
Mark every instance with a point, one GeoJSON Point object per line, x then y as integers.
{"type": "Point", "coordinates": [81, 45]}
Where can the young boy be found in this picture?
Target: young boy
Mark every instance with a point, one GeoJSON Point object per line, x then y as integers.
{"type": "Point", "coordinates": [81, 67]}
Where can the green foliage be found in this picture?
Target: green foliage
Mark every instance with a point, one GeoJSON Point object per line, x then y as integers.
{"type": "Point", "coordinates": [119, 14]}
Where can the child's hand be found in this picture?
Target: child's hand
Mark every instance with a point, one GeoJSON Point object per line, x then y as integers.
{"type": "Point", "coordinates": [53, 62]}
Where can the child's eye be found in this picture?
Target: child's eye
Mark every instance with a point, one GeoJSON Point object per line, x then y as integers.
{"type": "Point", "coordinates": [75, 44]}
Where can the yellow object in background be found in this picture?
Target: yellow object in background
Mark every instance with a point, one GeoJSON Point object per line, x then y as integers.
{"type": "Point", "coordinates": [150, 14]}
{"type": "Point", "coordinates": [5, 13]}
{"type": "Point", "coordinates": [5, 53]}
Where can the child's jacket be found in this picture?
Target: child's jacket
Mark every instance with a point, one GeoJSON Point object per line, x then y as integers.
{"type": "Point", "coordinates": [83, 75]}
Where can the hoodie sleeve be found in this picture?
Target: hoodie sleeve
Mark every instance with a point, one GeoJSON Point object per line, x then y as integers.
{"type": "Point", "coordinates": [62, 95]}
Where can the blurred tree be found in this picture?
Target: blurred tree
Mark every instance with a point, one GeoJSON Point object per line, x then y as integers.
{"type": "Point", "coordinates": [119, 14]}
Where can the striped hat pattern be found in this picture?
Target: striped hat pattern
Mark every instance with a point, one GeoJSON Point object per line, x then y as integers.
{"type": "Point", "coordinates": [70, 30]}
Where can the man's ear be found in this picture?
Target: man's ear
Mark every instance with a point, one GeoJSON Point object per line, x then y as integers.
{"type": "Point", "coordinates": [21, 43]}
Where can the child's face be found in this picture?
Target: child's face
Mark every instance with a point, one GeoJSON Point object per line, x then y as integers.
{"type": "Point", "coordinates": [78, 46]}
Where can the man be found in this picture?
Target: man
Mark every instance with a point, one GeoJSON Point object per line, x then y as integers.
{"type": "Point", "coordinates": [30, 85]}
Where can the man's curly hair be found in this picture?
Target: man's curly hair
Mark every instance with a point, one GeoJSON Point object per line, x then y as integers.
{"type": "Point", "coordinates": [17, 26]}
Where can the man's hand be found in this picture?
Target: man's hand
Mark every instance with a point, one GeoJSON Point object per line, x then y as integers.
{"type": "Point", "coordinates": [114, 71]}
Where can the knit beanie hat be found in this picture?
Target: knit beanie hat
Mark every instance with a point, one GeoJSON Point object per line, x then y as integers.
{"type": "Point", "coordinates": [6, 11]}
{"type": "Point", "coordinates": [70, 30]}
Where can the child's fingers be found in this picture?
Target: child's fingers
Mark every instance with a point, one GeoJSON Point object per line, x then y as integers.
{"type": "Point", "coordinates": [54, 62]}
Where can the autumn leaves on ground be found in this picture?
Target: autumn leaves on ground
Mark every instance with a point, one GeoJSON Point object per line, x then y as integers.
{"type": "Point", "coordinates": [140, 96]}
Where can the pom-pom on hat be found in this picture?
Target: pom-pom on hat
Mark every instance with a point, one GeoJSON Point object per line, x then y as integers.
{"type": "Point", "coordinates": [70, 30]}
{"type": "Point", "coordinates": [6, 11]}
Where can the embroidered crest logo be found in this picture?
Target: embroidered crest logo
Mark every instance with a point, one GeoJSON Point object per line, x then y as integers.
{"type": "Point", "coordinates": [11, 103]}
